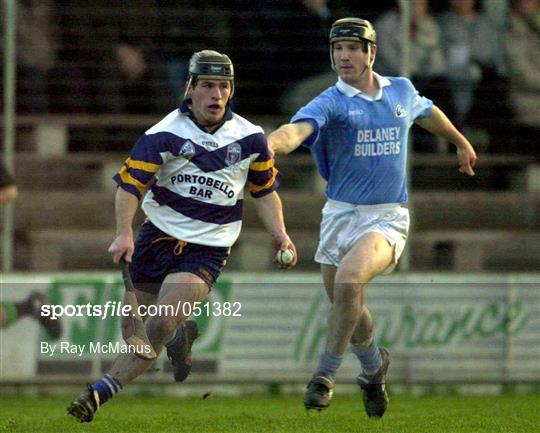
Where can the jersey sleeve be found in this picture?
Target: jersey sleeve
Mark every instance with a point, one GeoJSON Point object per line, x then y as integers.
{"type": "Point", "coordinates": [138, 170]}
{"type": "Point", "coordinates": [263, 177]}
{"type": "Point", "coordinates": [421, 106]}
{"type": "Point", "coordinates": [318, 113]}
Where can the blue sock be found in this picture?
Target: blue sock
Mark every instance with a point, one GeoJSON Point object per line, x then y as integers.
{"type": "Point", "coordinates": [329, 364]}
{"type": "Point", "coordinates": [177, 338]}
{"type": "Point", "coordinates": [106, 388]}
{"type": "Point", "coordinates": [370, 358]}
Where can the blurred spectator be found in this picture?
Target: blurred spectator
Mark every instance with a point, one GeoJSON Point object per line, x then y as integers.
{"type": "Point", "coordinates": [426, 61]}
{"type": "Point", "coordinates": [135, 67]}
{"type": "Point", "coordinates": [36, 56]}
{"type": "Point", "coordinates": [276, 44]}
{"type": "Point", "coordinates": [426, 57]}
{"type": "Point", "coordinates": [44, 83]}
{"type": "Point", "coordinates": [355, 8]}
{"type": "Point", "coordinates": [8, 189]}
{"type": "Point", "coordinates": [523, 53]}
{"type": "Point", "coordinates": [115, 43]}
{"type": "Point", "coordinates": [187, 26]}
{"type": "Point", "coordinates": [496, 13]}
{"type": "Point", "coordinates": [475, 64]}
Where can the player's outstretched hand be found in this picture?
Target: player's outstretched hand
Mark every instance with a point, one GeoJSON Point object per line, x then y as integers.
{"type": "Point", "coordinates": [467, 159]}
{"type": "Point", "coordinates": [284, 243]}
{"type": "Point", "coordinates": [122, 246]}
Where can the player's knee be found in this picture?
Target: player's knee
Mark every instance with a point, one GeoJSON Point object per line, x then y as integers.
{"type": "Point", "coordinates": [195, 291]}
{"type": "Point", "coordinates": [347, 292]}
{"type": "Point", "coordinates": [353, 275]}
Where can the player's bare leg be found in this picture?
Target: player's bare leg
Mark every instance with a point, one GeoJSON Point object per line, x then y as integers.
{"type": "Point", "coordinates": [320, 389]}
{"type": "Point", "coordinates": [177, 288]}
{"type": "Point", "coordinates": [84, 407]}
{"type": "Point", "coordinates": [363, 332]}
{"type": "Point", "coordinates": [374, 360]}
{"type": "Point", "coordinates": [179, 345]}
{"type": "Point", "coordinates": [364, 329]}
{"type": "Point", "coordinates": [370, 256]}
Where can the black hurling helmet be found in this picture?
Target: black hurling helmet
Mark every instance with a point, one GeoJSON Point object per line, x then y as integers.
{"type": "Point", "coordinates": [351, 29]}
{"type": "Point", "coordinates": [211, 65]}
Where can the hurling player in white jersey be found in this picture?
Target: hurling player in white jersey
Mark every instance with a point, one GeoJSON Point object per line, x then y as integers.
{"type": "Point", "coordinates": [357, 132]}
{"type": "Point", "coordinates": [192, 168]}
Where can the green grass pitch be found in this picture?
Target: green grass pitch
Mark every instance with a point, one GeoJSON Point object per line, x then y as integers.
{"type": "Point", "coordinates": [253, 414]}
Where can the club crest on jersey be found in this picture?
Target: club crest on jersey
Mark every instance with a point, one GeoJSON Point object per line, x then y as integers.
{"type": "Point", "coordinates": [234, 153]}
{"type": "Point", "coordinates": [187, 150]}
{"type": "Point", "coordinates": [400, 111]}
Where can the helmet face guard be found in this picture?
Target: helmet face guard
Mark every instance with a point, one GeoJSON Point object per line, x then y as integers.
{"type": "Point", "coordinates": [352, 29]}
{"type": "Point", "coordinates": [210, 65]}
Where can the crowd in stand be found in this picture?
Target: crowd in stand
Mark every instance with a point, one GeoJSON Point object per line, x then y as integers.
{"type": "Point", "coordinates": [477, 59]}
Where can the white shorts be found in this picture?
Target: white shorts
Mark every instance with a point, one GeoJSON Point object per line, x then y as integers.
{"type": "Point", "coordinates": [343, 224]}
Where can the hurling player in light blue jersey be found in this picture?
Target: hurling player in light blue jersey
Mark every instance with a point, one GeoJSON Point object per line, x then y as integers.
{"type": "Point", "coordinates": [192, 168]}
{"type": "Point", "coordinates": [357, 132]}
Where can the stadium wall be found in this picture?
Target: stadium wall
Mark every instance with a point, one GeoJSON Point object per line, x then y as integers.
{"type": "Point", "coordinates": [439, 328]}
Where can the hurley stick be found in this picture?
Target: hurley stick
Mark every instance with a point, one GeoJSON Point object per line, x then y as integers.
{"type": "Point", "coordinates": [133, 329]}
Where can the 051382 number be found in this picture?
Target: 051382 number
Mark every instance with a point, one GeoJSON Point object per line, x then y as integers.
{"type": "Point", "coordinates": [216, 309]}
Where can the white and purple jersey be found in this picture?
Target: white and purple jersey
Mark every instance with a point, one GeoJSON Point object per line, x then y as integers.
{"type": "Point", "coordinates": [360, 142]}
{"type": "Point", "coordinates": [199, 182]}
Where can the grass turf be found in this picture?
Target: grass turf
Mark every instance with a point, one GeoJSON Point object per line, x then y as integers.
{"type": "Point", "coordinates": [253, 414]}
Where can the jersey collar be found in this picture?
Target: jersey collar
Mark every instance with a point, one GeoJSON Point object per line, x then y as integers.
{"type": "Point", "coordinates": [351, 91]}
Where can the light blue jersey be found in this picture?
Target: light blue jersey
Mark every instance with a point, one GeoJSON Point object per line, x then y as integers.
{"type": "Point", "coordinates": [360, 142]}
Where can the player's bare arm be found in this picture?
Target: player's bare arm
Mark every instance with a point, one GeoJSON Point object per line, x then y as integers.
{"type": "Point", "coordinates": [437, 123]}
{"type": "Point", "coordinates": [270, 211]}
{"type": "Point", "coordinates": [125, 207]}
{"type": "Point", "coordinates": [288, 137]}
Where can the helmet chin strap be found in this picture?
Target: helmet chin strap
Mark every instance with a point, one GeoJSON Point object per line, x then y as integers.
{"type": "Point", "coordinates": [370, 62]}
